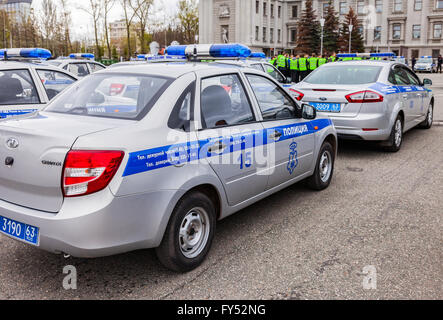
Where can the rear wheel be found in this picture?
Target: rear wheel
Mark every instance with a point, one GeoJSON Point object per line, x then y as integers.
{"type": "Point", "coordinates": [427, 124]}
{"type": "Point", "coordinates": [324, 169]}
{"type": "Point", "coordinates": [189, 234]}
{"type": "Point", "coordinates": [396, 138]}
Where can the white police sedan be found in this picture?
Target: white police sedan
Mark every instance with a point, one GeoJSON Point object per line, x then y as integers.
{"type": "Point", "coordinates": [79, 64]}
{"type": "Point", "coordinates": [27, 85]}
{"type": "Point", "coordinates": [95, 174]}
{"type": "Point", "coordinates": [369, 100]}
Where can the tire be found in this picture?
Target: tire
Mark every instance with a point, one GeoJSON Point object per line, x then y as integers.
{"type": "Point", "coordinates": [396, 138]}
{"type": "Point", "coordinates": [324, 168]}
{"type": "Point", "coordinates": [189, 234]}
{"type": "Point", "coordinates": [427, 124]}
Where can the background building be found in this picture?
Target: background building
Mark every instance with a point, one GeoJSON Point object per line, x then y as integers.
{"type": "Point", "coordinates": [16, 8]}
{"type": "Point", "coordinates": [406, 27]}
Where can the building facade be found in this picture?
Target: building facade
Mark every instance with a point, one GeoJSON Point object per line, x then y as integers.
{"type": "Point", "coordinates": [405, 27]}
{"type": "Point", "coordinates": [17, 9]}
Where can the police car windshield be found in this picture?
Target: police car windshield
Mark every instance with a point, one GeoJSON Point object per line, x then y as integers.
{"type": "Point", "coordinates": [345, 75]}
{"type": "Point", "coordinates": [424, 60]}
{"type": "Point", "coordinates": [54, 63]}
{"type": "Point", "coordinates": [112, 95]}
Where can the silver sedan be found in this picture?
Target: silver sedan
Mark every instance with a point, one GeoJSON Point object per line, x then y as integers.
{"type": "Point", "coordinates": [369, 100]}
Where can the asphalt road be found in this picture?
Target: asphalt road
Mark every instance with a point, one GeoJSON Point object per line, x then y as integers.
{"type": "Point", "coordinates": [382, 210]}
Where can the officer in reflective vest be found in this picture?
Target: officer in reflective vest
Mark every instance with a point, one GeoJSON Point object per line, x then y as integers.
{"type": "Point", "coordinates": [281, 63]}
{"type": "Point", "coordinates": [333, 57]}
{"type": "Point", "coordinates": [295, 70]}
{"type": "Point", "coordinates": [312, 63]}
{"type": "Point", "coordinates": [273, 60]}
{"type": "Point", "coordinates": [303, 66]}
{"type": "Point", "coordinates": [322, 60]}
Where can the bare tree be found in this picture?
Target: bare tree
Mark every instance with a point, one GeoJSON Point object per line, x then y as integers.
{"type": "Point", "coordinates": [94, 9]}
{"type": "Point", "coordinates": [66, 18]}
{"type": "Point", "coordinates": [142, 9]}
{"type": "Point", "coordinates": [48, 19]}
{"type": "Point", "coordinates": [129, 14]}
{"type": "Point", "coordinates": [107, 6]}
{"type": "Point", "coordinates": [188, 17]}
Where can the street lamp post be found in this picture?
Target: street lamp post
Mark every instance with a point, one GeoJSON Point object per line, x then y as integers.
{"type": "Point", "coordinates": [322, 24]}
{"type": "Point", "coordinates": [350, 36]}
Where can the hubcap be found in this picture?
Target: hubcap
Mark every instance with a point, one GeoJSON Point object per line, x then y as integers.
{"type": "Point", "coordinates": [194, 232]}
{"type": "Point", "coordinates": [325, 166]}
{"type": "Point", "coordinates": [398, 133]}
{"type": "Point", "coordinates": [430, 115]}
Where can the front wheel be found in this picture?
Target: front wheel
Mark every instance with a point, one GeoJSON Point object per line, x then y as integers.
{"type": "Point", "coordinates": [396, 138]}
{"type": "Point", "coordinates": [189, 234]}
{"type": "Point", "coordinates": [427, 124]}
{"type": "Point", "coordinates": [324, 169]}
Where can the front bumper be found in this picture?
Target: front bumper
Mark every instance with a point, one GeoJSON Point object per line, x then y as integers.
{"type": "Point", "coordinates": [351, 128]}
{"type": "Point", "coordinates": [100, 224]}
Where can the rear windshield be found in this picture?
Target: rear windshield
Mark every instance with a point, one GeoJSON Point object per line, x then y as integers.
{"type": "Point", "coordinates": [345, 74]}
{"type": "Point", "coordinates": [17, 88]}
{"type": "Point", "coordinates": [120, 96]}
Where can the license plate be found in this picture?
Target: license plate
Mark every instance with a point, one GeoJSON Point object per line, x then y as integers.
{"type": "Point", "coordinates": [326, 107]}
{"type": "Point", "coordinates": [20, 231]}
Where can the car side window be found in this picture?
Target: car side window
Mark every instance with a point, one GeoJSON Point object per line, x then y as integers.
{"type": "Point", "coordinates": [17, 87]}
{"type": "Point", "coordinates": [413, 79]}
{"type": "Point", "coordinates": [400, 76]}
{"type": "Point", "coordinates": [95, 67]}
{"type": "Point", "coordinates": [79, 69]}
{"type": "Point", "coordinates": [182, 114]}
{"type": "Point", "coordinates": [224, 102]}
{"type": "Point", "coordinates": [258, 67]}
{"type": "Point", "coordinates": [54, 82]}
{"type": "Point", "coordinates": [274, 73]}
{"type": "Point", "coordinates": [274, 103]}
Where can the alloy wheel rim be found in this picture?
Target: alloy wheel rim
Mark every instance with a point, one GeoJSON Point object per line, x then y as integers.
{"type": "Point", "coordinates": [398, 133]}
{"type": "Point", "coordinates": [325, 166]}
{"type": "Point", "coordinates": [430, 115]}
{"type": "Point", "coordinates": [194, 232]}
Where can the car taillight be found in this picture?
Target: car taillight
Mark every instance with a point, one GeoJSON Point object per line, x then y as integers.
{"type": "Point", "coordinates": [366, 96]}
{"type": "Point", "coordinates": [116, 89]}
{"type": "Point", "coordinates": [296, 94]}
{"type": "Point", "coordinates": [86, 172]}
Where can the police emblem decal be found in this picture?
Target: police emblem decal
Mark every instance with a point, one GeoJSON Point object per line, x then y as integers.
{"type": "Point", "coordinates": [293, 157]}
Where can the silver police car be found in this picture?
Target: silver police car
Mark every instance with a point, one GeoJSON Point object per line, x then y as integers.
{"type": "Point", "coordinates": [79, 64]}
{"type": "Point", "coordinates": [99, 172]}
{"type": "Point", "coordinates": [27, 85]}
{"type": "Point", "coordinates": [369, 100]}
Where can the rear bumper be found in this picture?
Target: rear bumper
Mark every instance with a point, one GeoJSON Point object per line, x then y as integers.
{"type": "Point", "coordinates": [353, 128]}
{"type": "Point", "coordinates": [100, 224]}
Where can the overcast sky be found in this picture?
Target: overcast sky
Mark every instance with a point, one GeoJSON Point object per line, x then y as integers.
{"type": "Point", "coordinates": [81, 21]}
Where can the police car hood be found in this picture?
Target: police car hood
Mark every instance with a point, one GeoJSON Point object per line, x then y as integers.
{"type": "Point", "coordinates": [33, 149]}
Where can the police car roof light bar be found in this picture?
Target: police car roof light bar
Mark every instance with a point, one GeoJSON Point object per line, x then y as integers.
{"type": "Point", "coordinates": [25, 53]}
{"type": "Point", "coordinates": [210, 52]}
{"type": "Point", "coordinates": [257, 55]}
{"type": "Point", "coordinates": [82, 56]}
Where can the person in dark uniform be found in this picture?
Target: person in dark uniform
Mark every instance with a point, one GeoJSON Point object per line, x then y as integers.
{"type": "Point", "coordinates": [413, 61]}
{"type": "Point", "coordinates": [439, 63]}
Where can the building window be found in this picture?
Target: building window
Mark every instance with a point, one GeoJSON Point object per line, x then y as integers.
{"type": "Point", "coordinates": [279, 12]}
{"type": "Point", "coordinates": [398, 5]}
{"type": "Point", "coordinates": [272, 11]}
{"type": "Point", "coordinates": [265, 7]}
{"type": "Point", "coordinates": [418, 5]}
{"type": "Point", "coordinates": [378, 6]}
{"type": "Point", "coordinates": [279, 35]}
{"type": "Point", "coordinates": [293, 35]}
{"type": "Point", "coordinates": [435, 53]}
{"type": "Point", "coordinates": [264, 34]}
{"type": "Point", "coordinates": [257, 7]}
{"type": "Point", "coordinates": [377, 33]}
{"type": "Point", "coordinates": [294, 11]}
{"type": "Point", "coordinates": [360, 7]}
{"type": "Point", "coordinates": [271, 37]}
{"type": "Point", "coordinates": [257, 33]}
{"type": "Point", "coordinates": [416, 31]}
{"type": "Point", "coordinates": [396, 31]}
{"type": "Point", "coordinates": [325, 8]}
{"type": "Point", "coordinates": [437, 30]}
{"type": "Point", "coordinates": [343, 6]}
{"type": "Point", "coordinates": [439, 4]}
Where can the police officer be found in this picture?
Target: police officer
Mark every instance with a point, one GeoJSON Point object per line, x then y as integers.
{"type": "Point", "coordinates": [273, 61]}
{"type": "Point", "coordinates": [312, 63]}
{"type": "Point", "coordinates": [322, 60]}
{"type": "Point", "coordinates": [295, 70]}
{"type": "Point", "coordinates": [333, 57]}
{"type": "Point", "coordinates": [303, 67]}
{"type": "Point", "coordinates": [281, 64]}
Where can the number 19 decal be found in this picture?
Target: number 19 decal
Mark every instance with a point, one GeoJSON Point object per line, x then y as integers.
{"type": "Point", "coordinates": [245, 160]}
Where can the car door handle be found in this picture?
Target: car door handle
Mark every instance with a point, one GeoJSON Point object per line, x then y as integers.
{"type": "Point", "coordinates": [219, 147]}
{"type": "Point", "coordinates": [276, 135]}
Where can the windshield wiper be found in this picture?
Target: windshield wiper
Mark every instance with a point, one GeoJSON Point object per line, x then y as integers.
{"type": "Point", "coordinates": [79, 110]}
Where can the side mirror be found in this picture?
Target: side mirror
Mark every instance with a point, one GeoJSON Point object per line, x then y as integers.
{"type": "Point", "coordinates": [309, 112]}
{"type": "Point", "coordinates": [427, 82]}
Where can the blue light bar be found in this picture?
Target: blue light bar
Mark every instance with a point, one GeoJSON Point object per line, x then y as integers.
{"type": "Point", "coordinates": [257, 55]}
{"type": "Point", "coordinates": [382, 54]}
{"type": "Point", "coordinates": [141, 56]}
{"type": "Point", "coordinates": [426, 57]}
{"type": "Point", "coordinates": [346, 55]}
{"type": "Point", "coordinates": [82, 55]}
{"type": "Point", "coordinates": [167, 57]}
{"type": "Point", "coordinates": [29, 53]}
{"type": "Point", "coordinates": [211, 51]}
